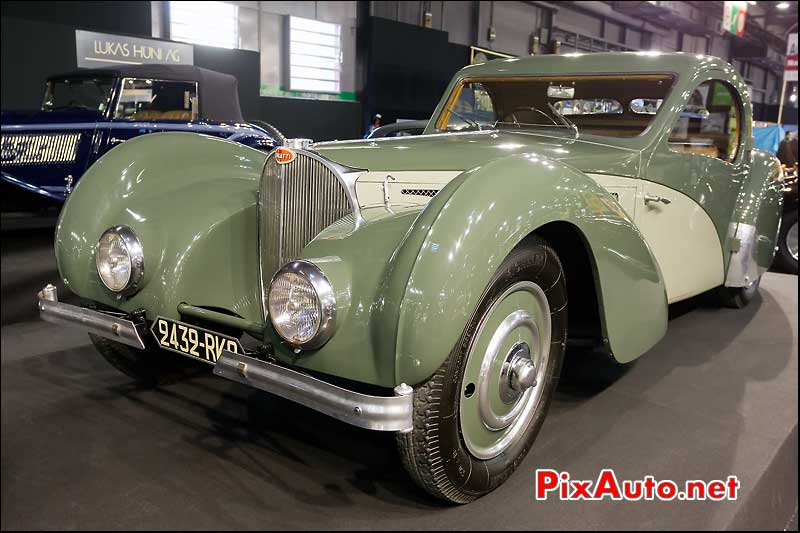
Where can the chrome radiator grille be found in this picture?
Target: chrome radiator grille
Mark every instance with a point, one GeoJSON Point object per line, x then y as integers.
{"type": "Point", "coordinates": [38, 148]}
{"type": "Point", "coordinates": [296, 202]}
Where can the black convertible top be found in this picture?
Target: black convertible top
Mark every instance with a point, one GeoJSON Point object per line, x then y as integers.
{"type": "Point", "coordinates": [218, 93]}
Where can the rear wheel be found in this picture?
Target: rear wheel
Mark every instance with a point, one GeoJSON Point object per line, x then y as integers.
{"type": "Point", "coordinates": [786, 257]}
{"type": "Point", "coordinates": [150, 367]}
{"type": "Point", "coordinates": [737, 297]}
{"type": "Point", "coordinates": [476, 418]}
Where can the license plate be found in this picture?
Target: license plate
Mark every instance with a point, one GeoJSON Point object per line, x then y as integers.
{"type": "Point", "coordinates": [195, 342]}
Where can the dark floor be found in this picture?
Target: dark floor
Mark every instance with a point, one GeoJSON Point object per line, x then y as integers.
{"type": "Point", "coordinates": [83, 448]}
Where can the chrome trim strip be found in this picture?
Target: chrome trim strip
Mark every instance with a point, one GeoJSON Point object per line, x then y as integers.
{"type": "Point", "coordinates": [105, 325]}
{"type": "Point", "coordinates": [48, 192]}
{"type": "Point", "coordinates": [379, 413]}
{"type": "Point", "coordinates": [193, 127]}
{"type": "Point", "coordinates": [326, 144]}
{"type": "Point", "coordinates": [743, 269]}
{"type": "Point", "coordinates": [269, 221]}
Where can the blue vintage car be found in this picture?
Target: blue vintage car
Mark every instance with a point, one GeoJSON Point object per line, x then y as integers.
{"type": "Point", "coordinates": [88, 112]}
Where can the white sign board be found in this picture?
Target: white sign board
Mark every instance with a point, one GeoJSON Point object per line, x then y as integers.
{"type": "Point", "coordinates": [790, 69]}
{"type": "Point", "coordinates": [102, 50]}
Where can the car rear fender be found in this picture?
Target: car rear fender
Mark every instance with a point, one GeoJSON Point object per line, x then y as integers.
{"type": "Point", "coordinates": [753, 231]}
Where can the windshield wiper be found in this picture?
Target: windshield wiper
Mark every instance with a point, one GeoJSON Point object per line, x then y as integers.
{"type": "Point", "coordinates": [471, 123]}
{"type": "Point", "coordinates": [564, 120]}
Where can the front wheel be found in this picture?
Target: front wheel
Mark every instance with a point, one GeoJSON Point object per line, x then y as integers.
{"type": "Point", "coordinates": [150, 367]}
{"type": "Point", "coordinates": [477, 417]}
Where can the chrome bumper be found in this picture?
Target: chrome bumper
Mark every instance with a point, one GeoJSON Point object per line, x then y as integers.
{"type": "Point", "coordinates": [102, 324]}
{"type": "Point", "coordinates": [379, 413]}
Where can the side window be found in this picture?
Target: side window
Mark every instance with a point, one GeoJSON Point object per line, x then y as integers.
{"type": "Point", "coordinates": [473, 106]}
{"type": "Point", "coordinates": [157, 100]}
{"type": "Point", "coordinates": [709, 123]}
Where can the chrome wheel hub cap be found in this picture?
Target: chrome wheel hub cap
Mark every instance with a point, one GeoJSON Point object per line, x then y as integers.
{"type": "Point", "coordinates": [505, 371]}
{"type": "Point", "coordinates": [791, 241]}
{"type": "Point", "coordinates": [518, 373]}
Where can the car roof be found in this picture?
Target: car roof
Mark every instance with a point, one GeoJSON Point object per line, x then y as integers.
{"type": "Point", "coordinates": [218, 92]}
{"type": "Point", "coordinates": [598, 62]}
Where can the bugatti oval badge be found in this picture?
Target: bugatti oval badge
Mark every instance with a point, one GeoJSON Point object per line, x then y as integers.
{"type": "Point", "coordinates": [284, 155]}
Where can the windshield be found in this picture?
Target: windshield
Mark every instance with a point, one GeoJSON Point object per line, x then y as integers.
{"type": "Point", "coordinates": [610, 105]}
{"type": "Point", "coordinates": [78, 93]}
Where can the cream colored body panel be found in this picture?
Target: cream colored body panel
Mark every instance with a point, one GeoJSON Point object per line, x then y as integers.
{"type": "Point", "coordinates": [680, 234]}
{"type": "Point", "coordinates": [683, 240]}
{"type": "Point", "coordinates": [401, 188]}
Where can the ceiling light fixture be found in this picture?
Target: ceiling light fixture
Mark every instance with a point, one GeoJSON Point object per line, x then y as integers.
{"type": "Point", "coordinates": [783, 5]}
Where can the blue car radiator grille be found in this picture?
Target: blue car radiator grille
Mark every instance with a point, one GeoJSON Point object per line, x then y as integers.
{"type": "Point", "coordinates": [39, 148]}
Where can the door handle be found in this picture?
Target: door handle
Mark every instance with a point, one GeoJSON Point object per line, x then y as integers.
{"type": "Point", "coordinates": [387, 200]}
{"type": "Point", "coordinates": [115, 140]}
{"type": "Point", "coordinates": [658, 199]}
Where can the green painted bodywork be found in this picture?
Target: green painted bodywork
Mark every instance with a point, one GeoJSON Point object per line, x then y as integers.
{"type": "Point", "coordinates": [407, 280]}
{"type": "Point", "coordinates": [462, 151]}
{"type": "Point", "coordinates": [191, 201]}
{"type": "Point", "coordinates": [463, 245]}
{"type": "Point", "coordinates": [759, 199]}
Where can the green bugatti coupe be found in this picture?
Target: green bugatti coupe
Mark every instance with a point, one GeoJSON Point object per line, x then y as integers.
{"type": "Point", "coordinates": [431, 285]}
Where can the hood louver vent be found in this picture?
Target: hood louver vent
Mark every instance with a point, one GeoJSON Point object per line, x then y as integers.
{"type": "Point", "coordinates": [38, 148]}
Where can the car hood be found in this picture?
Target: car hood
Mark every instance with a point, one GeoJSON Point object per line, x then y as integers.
{"type": "Point", "coordinates": [461, 151]}
{"type": "Point", "coordinates": [34, 117]}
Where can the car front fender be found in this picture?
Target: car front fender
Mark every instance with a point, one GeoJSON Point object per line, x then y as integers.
{"type": "Point", "coordinates": [457, 243]}
{"type": "Point", "coordinates": [191, 200]}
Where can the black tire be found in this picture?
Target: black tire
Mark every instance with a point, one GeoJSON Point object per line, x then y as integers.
{"type": "Point", "coordinates": [434, 452]}
{"type": "Point", "coordinates": [150, 367]}
{"type": "Point", "coordinates": [737, 297]}
{"type": "Point", "coordinates": [784, 258]}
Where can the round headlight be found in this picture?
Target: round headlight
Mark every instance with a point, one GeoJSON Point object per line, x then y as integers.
{"type": "Point", "coordinates": [301, 305]}
{"type": "Point", "coordinates": [119, 259]}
